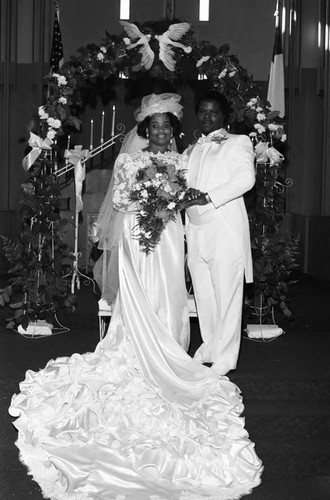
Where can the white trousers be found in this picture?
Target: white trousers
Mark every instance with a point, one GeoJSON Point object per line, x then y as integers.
{"type": "Point", "coordinates": [217, 271]}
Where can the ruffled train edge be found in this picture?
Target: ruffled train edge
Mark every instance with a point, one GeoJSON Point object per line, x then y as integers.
{"type": "Point", "coordinates": [96, 408]}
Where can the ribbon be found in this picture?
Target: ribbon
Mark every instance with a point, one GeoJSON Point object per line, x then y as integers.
{"type": "Point", "coordinates": [37, 144]}
{"type": "Point", "coordinates": [75, 157]}
{"type": "Point", "coordinates": [265, 154]}
{"type": "Point", "coordinates": [274, 156]}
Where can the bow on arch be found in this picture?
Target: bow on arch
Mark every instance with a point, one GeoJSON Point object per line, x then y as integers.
{"type": "Point", "coordinates": [75, 157]}
{"type": "Point", "coordinates": [38, 145]}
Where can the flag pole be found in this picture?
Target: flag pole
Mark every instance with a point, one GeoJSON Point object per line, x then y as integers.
{"type": "Point", "coordinates": [277, 15]}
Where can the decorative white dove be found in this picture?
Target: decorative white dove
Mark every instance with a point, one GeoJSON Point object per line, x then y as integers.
{"type": "Point", "coordinates": [168, 40]}
{"type": "Point", "coordinates": [138, 38]}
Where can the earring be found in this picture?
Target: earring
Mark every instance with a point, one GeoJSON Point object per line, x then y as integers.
{"type": "Point", "coordinates": [171, 141]}
{"type": "Point", "coordinates": [147, 135]}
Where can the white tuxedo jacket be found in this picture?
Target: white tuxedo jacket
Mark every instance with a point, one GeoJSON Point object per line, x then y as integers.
{"type": "Point", "coordinates": [225, 171]}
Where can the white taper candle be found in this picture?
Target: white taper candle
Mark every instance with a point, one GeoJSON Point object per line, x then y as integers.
{"type": "Point", "coordinates": [102, 128]}
{"type": "Point", "coordinates": [113, 120]}
{"type": "Point", "coordinates": [92, 132]}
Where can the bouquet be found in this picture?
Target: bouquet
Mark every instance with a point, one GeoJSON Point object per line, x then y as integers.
{"type": "Point", "coordinates": [159, 189]}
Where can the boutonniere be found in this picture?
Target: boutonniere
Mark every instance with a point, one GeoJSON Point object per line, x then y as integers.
{"type": "Point", "coordinates": [217, 138]}
{"type": "Point", "coordinates": [220, 137]}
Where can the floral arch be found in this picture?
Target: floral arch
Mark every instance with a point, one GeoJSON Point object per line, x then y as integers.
{"type": "Point", "coordinates": [163, 50]}
{"type": "Point", "coordinates": [182, 59]}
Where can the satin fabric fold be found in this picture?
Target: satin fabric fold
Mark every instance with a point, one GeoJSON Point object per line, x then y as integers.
{"type": "Point", "coordinates": [137, 419]}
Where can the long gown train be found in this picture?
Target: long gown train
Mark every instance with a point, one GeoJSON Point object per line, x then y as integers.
{"type": "Point", "coordinates": [138, 418]}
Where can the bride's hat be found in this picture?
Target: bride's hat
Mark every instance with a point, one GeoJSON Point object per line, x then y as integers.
{"type": "Point", "coordinates": [159, 103]}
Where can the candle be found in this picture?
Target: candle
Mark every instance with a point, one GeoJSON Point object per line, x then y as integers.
{"type": "Point", "coordinates": [113, 120]}
{"type": "Point", "coordinates": [102, 128]}
{"type": "Point", "coordinates": [55, 160]}
{"type": "Point", "coordinates": [66, 159]}
{"type": "Point", "coordinates": [91, 141]}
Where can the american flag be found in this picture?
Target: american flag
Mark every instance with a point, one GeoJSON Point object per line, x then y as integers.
{"type": "Point", "coordinates": [56, 57]}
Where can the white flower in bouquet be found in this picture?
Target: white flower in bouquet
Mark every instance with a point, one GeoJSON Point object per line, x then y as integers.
{"type": "Point", "coordinates": [42, 113]}
{"type": "Point", "coordinates": [202, 60]}
{"type": "Point", "coordinates": [261, 117]}
{"type": "Point", "coordinates": [260, 128]}
{"type": "Point", "coordinates": [51, 134]}
{"type": "Point", "coordinates": [54, 122]}
{"type": "Point", "coordinates": [159, 189]}
{"type": "Point", "coordinates": [252, 102]}
{"type": "Point", "coordinates": [222, 74]}
{"type": "Point", "coordinates": [61, 80]}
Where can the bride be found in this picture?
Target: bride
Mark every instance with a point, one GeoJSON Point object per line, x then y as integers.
{"type": "Point", "coordinates": [138, 418]}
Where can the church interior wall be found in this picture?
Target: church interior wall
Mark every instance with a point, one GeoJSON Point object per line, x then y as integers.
{"type": "Point", "coordinates": [248, 27]}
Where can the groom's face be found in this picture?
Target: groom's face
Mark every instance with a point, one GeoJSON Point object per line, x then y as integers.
{"type": "Point", "coordinates": [210, 116]}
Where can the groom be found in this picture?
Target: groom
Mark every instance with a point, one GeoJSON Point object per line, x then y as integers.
{"type": "Point", "coordinates": [220, 170]}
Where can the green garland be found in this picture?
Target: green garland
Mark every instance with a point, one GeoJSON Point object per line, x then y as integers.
{"type": "Point", "coordinates": [117, 55]}
{"type": "Point", "coordinates": [36, 288]}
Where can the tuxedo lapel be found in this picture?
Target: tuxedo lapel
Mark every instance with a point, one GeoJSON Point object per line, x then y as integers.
{"type": "Point", "coordinates": [192, 163]}
{"type": "Point", "coordinates": [204, 170]}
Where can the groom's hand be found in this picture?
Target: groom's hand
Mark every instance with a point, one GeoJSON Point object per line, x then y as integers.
{"type": "Point", "coordinates": [195, 197]}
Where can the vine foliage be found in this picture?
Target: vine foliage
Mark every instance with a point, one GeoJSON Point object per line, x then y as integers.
{"type": "Point", "coordinates": [36, 256]}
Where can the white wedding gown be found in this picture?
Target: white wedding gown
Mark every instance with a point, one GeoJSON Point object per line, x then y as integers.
{"type": "Point", "coordinates": [138, 418]}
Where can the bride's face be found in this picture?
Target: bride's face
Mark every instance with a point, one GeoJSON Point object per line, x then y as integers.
{"type": "Point", "coordinates": [160, 129]}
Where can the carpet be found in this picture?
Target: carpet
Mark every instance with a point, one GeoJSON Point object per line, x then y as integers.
{"type": "Point", "coordinates": [285, 386]}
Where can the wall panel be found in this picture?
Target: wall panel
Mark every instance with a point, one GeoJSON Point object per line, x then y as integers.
{"type": "Point", "coordinates": [26, 28]}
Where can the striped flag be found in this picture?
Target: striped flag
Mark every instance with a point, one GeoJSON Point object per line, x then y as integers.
{"type": "Point", "coordinates": [56, 56]}
{"type": "Point", "coordinates": [275, 95]}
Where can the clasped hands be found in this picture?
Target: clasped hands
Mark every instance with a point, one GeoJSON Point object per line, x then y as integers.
{"type": "Point", "coordinates": [195, 197]}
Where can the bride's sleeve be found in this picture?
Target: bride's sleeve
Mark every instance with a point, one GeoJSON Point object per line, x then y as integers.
{"type": "Point", "coordinates": [124, 176]}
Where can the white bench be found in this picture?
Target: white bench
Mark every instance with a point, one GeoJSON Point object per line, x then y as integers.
{"type": "Point", "coordinates": [105, 311]}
